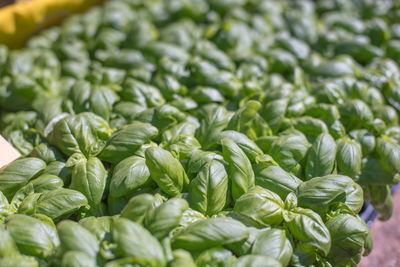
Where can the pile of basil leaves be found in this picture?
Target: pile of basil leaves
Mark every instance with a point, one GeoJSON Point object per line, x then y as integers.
{"type": "Point", "coordinates": [242, 133]}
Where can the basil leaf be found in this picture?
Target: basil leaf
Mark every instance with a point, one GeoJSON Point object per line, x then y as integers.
{"type": "Point", "coordinates": [18, 174]}
{"type": "Point", "coordinates": [166, 171]}
{"type": "Point", "coordinates": [308, 227]}
{"type": "Point", "coordinates": [240, 171]}
{"type": "Point", "coordinates": [129, 175]}
{"type": "Point", "coordinates": [60, 203]}
{"type": "Point", "coordinates": [133, 240]}
{"type": "Point", "coordinates": [33, 236]}
{"type": "Point", "coordinates": [208, 191]}
{"type": "Point", "coordinates": [261, 205]}
{"type": "Point", "coordinates": [75, 237]}
{"type": "Point", "coordinates": [321, 157]}
{"type": "Point", "coordinates": [209, 233]}
{"type": "Point", "coordinates": [124, 142]}
{"type": "Point", "coordinates": [273, 243]}
{"type": "Point", "coordinates": [164, 218]}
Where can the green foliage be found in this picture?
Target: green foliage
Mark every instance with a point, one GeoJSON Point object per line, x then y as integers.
{"type": "Point", "coordinates": [201, 133]}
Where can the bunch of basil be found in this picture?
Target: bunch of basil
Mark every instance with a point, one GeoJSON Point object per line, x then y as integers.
{"type": "Point", "coordinates": [201, 133]}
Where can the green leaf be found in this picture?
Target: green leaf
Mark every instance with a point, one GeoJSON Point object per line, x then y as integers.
{"type": "Point", "coordinates": [355, 114]}
{"type": "Point", "coordinates": [388, 153]}
{"type": "Point", "coordinates": [8, 248]}
{"type": "Point", "coordinates": [141, 93]}
{"type": "Point", "coordinates": [308, 227]}
{"type": "Point", "coordinates": [349, 237]}
{"type": "Point", "coordinates": [217, 256]}
{"type": "Point", "coordinates": [380, 198]}
{"type": "Point", "coordinates": [348, 157]}
{"type": "Point", "coordinates": [321, 157]}
{"type": "Point", "coordinates": [208, 191]}
{"type": "Point", "coordinates": [164, 218]}
{"type": "Point", "coordinates": [60, 203]}
{"type": "Point", "coordinates": [46, 182]}
{"type": "Point", "coordinates": [373, 173]}
{"type": "Point", "coordinates": [319, 192]}
{"type": "Point", "coordinates": [310, 127]}
{"type": "Point", "coordinates": [256, 261]}
{"type": "Point", "coordinates": [19, 260]}
{"type": "Point", "coordinates": [100, 226]}
{"type": "Point", "coordinates": [214, 120]}
{"type": "Point", "coordinates": [244, 247]}
{"type": "Point", "coordinates": [244, 116]}
{"type": "Point", "coordinates": [18, 174]}
{"type": "Point", "coordinates": [33, 236]}
{"type": "Point", "coordinates": [273, 243]}
{"type": "Point", "coordinates": [326, 112]}
{"type": "Point", "coordinates": [28, 205]}
{"type": "Point", "coordinates": [90, 177]}
{"type": "Point", "coordinates": [366, 140]}
{"type": "Point", "coordinates": [289, 149]}
{"type": "Point", "coordinates": [182, 258]}
{"type": "Point", "coordinates": [273, 113]}
{"type": "Point", "coordinates": [246, 144]}
{"type": "Point", "coordinates": [77, 259]}
{"type": "Point", "coordinates": [137, 207]}
{"type": "Point", "coordinates": [133, 240]}
{"type": "Point", "coordinates": [200, 158]}
{"type": "Point", "coordinates": [84, 133]}
{"type": "Point", "coordinates": [101, 101]}
{"type": "Point", "coordinates": [46, 153]}
{"type": "Point", "coordinates": [190, 216]}
{"type": "Point", "coordinates": [59, 169]}
{"type": "Point", "coordinates": [183, 145]}
{"type": "Point", "coordinates": [166, 171]}
{"type": "Point", "coordinates": [275, 179]}
{"type": "Point", "coordinates": [185, 128]}
{"type": "Point", "coordinates": [124, 142]}
{"type": "Point", "coordinates": [75, 237]}
{"type": "Point", "coordinates": [5, 208]}
{"type": "Point", "coordinates": [129, 175]}
{"type": "Point", "coordinates": [209, 233]}
{"type": "Point", "coordinates": [240, 171]}
{"type": "Point", "coordinates": [261, 205]}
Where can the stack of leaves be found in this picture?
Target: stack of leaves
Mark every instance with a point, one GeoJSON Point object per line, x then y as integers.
{"type": "Point", "coordinates": [201, 133]}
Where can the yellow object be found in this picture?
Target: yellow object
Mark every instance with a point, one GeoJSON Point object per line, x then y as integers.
{"type": "Point", "coordinates": [25, 18]}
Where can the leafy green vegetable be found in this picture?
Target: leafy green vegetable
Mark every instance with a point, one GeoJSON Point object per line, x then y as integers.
{"type": "Point", "coordinates": [256, 260]}
{"type": "Point", "coordinates": [90, 177]}
{"type": "Point", "coordinates": [164, 218]}
{"type": "Point", "coordinates": [124, 142]}
{"type": "Point", "coordinates": [350, 236]}
{"type": "Point", "coordinates": [273, 243]}
{"type": "Point", "coordinates": [208, 190]}
{"type": "Point", "coordinates": [349, 157]}
{"type": "Point", "coordinates": [241, 172]}
{"type": "Point", "coordinates": [261, 205]}
{"type": "Point", "coordinates": [166, 171]}
{"type": "Point", "coordinates": [201, 133]}
{"type": "Point", "coordinates": [129, 175]}
{"type": "Point", "coordinates": [210, 233]}
{"type": "Point", "coordinates": [33, 236]}
{"type": "Point", "coordinates": [75, 237]}
{"type": "Point", "coordinates": [321, 158]}
{"type": "Point", "coordinates": [60, 203]}
{"type": "Point", "coordinates": [133, 240]}
{"type": "Point", "coordinates": [84, 133]}
{"type": "Point", "coordinates": [308, 227]}
{"type": "Point", "coordinates": [214, 256]}
{"type": "Point", "coordinates": [18, 174]}
{"type": "Point", "coordinates": [321, 192]}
